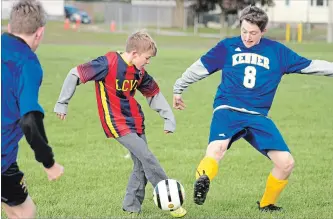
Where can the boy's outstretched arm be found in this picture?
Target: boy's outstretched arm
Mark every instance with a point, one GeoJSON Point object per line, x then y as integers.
{"type": "Point", "coordinates": [208, 64]}
{"type": "Point", "coordinates": [67, 91]}
{"type": "Point", "coordinates": [294, 63]}
{"type": "Point", "coordinates": [320, 68]}
{"type": "Point", "coordinates": [159, 104]}
{"type": "Point", "coordinates": [94, 70]}
{"type": "Point", "coordinates": [196, 72]}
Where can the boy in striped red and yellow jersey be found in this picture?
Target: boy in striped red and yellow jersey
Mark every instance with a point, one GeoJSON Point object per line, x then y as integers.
{"type": "Point", "coordinates": [117, 76]}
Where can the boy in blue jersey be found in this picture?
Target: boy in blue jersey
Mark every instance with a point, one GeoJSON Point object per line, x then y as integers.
{"type": "Point", "coordinates": [252, 68]}
{"type": "Point", "coordinates": [21, 113]}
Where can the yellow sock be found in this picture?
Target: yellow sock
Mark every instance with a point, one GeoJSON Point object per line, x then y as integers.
{"type": "Point", "coordinates": [273, 189]}
{"type": "Point", "coordinates": [209, 166]}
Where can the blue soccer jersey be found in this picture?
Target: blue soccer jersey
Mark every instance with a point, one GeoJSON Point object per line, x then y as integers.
{"type": "Point", "coordinates": [21, 77]}
{"type": "Point", "coordinates": [250, 76]}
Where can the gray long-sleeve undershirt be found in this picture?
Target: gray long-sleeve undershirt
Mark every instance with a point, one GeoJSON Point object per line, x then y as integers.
{"type": "Point", "coordinates": [157, 103]}
{"type": "Point", "coordinates": [67, 91]}
{"type": "Point", "coordinates": [320, 68]}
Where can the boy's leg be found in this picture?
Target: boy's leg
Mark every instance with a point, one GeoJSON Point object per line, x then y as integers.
{"type": "Point", "coordinates": [225, 129]}
{"type": "Point", "coordinates": [266, 138]}
{"type": "Point", "coordinates": [283, 163]}
{"type": "Point", "coordinates": [146, 167]}
{"type": "Point", "coordinates": [139, 148]}
{"type": "Point", "coordinates": [135, 191]}
{"type": "Point", "coordinates": [208, 168]}
{"type": "Point", "coordinates": [215, 152]}
{"type": "Point", "coordinates": [27, 209]}
{"type": "Point", "coordinates": [14, 195]}
{"type": "Point", "coordinates": [277, 179]}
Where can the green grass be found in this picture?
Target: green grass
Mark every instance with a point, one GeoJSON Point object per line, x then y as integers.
{"type": "Point", "coordinates": [96, 171]}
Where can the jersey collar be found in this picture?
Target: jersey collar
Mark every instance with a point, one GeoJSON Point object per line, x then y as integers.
{"type": "Point", "coordinates": [17, 38]}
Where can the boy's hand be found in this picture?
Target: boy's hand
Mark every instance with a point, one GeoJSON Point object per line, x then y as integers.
{"type": "Point", "coordinates": [54, 172]}
{"type": "Point", "coordinates": [61, 110]}
{"type": "Point", "coordinates": [178, 102]}
{"type": "Point", "coordinates": [61, 116]}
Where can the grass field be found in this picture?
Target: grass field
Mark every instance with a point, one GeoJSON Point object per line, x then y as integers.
{"type": "Point", "coordinates": [96, 171]}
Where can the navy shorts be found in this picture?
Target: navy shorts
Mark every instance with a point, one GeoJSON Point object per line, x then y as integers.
{"type": "Point", "coordinates": [258, 130]}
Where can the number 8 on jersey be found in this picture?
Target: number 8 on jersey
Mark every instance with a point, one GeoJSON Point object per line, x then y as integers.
{"type": "Point", "coordinates": [249, 77]}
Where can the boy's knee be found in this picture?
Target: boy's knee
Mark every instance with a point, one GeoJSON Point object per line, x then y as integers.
{"type": "Point", "coordinates": [217, 149]}
{"type": "Point", "coordinates": [289, 164]}
{"type": "Point", "coordinates": [286, 163]}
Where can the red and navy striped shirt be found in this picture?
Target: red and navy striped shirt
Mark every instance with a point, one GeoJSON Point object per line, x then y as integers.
{"type": "Point", "coordinates": [116, 83]}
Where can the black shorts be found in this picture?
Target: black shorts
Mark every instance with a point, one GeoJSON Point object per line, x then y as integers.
{"type": "Point", "coordinates": [13, 188]}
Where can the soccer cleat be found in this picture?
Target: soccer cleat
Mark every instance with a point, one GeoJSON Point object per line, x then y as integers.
{"type": "Point", "coordinates": [201, 188]}
{"type": "Point", "coordinates": [180, 212]}
{"type": "Point", "coordinates": [269, 208]}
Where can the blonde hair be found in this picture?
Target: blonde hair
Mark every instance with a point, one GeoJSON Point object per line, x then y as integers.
{"type": "Point", "coordinates": [27, 16]}
{"type": "Point", "coordinates": [141, 42]}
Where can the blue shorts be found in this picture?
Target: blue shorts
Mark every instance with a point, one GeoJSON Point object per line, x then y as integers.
{"type": "Point", "coordinates": [258, 130]}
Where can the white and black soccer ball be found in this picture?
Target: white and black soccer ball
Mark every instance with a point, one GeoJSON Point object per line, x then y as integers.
{"type": "Point", "coordinates": [169, 195]}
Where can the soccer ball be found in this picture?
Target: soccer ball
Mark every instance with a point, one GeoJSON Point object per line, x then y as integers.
{"type": "Point", "coordinates": [169, 195]}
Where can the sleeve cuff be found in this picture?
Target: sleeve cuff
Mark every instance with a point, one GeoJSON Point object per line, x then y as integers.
{"type": "Point", "coordinates": [169, 126]}
{"type": "Point", "coordinates": [49, 163]}
{"type": "Point", "coordinates": [61, 108]}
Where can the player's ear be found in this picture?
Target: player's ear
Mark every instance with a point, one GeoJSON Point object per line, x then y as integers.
{"type": "Point", "coordinates": [40, 33]}
{"type": "Point", "coordinates": [134, 53]}
{"type": "Point", "coordinates": [264, 31]}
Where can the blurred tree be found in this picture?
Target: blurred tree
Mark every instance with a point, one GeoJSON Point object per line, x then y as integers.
{"type": "Point", "coordinates": [227, 6]}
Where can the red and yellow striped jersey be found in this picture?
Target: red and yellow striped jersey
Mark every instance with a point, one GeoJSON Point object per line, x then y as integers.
{"type": "Point", "coordinates": [116, 83]}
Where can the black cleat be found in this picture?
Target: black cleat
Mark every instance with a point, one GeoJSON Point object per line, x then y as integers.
{"type": "Point", "coordinates": [269, 208]}
{"type": "Point", "coordinates": [201, 188]}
